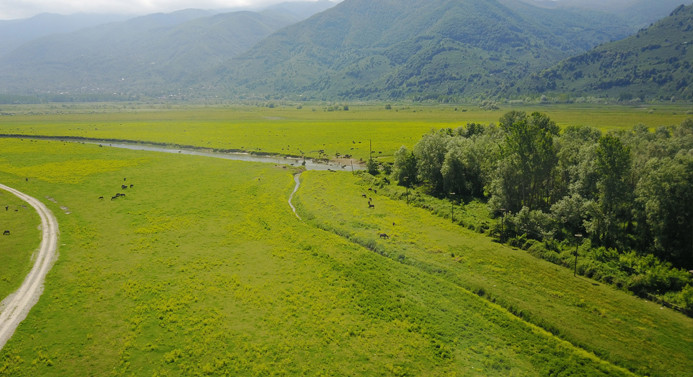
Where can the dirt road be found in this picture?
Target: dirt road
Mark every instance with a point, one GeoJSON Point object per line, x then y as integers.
{"type": "Point", "coordinates": [17, 305]}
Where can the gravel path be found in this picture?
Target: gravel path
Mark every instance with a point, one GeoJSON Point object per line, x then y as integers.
{"type": "Point", "coordinates": [17, 305]}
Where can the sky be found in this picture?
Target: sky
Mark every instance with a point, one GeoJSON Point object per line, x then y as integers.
{"type": "Point", "coordinates": [14, 9]}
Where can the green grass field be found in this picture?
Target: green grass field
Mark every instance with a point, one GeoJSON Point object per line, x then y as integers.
{"type": "Point", "coordinates": [287, 130]}
{"type": "Point", "coordinates": [202, 269]}
{"type": "Point", "coordinates": [16, 249]}
{"type": "Point", "coordinates": [620, 328]}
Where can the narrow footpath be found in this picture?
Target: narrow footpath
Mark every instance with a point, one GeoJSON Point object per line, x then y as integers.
{"type": "Point", "coordinates": [297, 179]}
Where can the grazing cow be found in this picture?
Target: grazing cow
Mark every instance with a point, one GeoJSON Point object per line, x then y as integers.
{"type": "Point", "coordinates": [125, 179]}
{"type": "Point", "coordinates": [114, 197]}
{"type": "Point", "coordinates": [131, 185]}
{"type": "Point", "coordinates": [6, 233]}
{"type": "Point", "coordinates": [384, 236]}
{"type": "Point", "coordinates": [371, 205]}
{"type": "Point", "coordinates": [7, 208]}
{"type": "Point", "coordinates": [375, 191]}
{"type": "Point", "coordinates": [123, 187]}
{"type": "Point", "coordinates": [363, 196]}
{"type": "Point", "coordinates": [101, 197]}
{"type": "Point", "coordinates": [370, 189]}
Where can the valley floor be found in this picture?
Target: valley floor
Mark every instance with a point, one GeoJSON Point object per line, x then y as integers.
{"type": "Point", "coordinates": [203, 268]}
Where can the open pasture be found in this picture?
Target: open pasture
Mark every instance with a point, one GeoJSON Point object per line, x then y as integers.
{"type": "Point", "coordinates": [17, 247]}
{"type": "Point", "coordinates": [309, 130]}
{"type": "Point", "coordinates": [202, 269]}
{"type": "Point", "coordinates": [620, 328]}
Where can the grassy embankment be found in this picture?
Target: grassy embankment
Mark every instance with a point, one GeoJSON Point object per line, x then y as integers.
{"type": "Point", "coordinates": [628, 331]}
{"type": "Point", "coordinates": [203, 269]}
{"type": "Point", "coordinates": [287, 130]}
{"type": "Point", "coordinates": [17, 247]}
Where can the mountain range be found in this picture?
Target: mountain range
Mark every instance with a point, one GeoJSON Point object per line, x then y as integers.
{"type": "Point", "coordinates": [408, 48]}
{"type": "Point", "coordinates": [655, 63]}
{"type": "Point", "coordinates": [358, 49]}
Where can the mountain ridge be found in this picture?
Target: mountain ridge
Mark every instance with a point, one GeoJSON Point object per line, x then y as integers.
{"type": "Point", "coordinates": [655, 63]}
{"type": "Point", "coordinates": [364, 49]}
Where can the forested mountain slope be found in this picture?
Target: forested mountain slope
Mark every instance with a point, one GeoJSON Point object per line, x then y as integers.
{"type": "Point", "coordinates": [640, 13]}
{"type": "Point", "coordinates": [655, 63]}
{"type": "Point", "coordinates": [394, 49]}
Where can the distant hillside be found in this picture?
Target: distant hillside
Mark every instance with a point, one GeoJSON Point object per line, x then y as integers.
{"type": "Point", "coordinates": [152, 55]}
{"type": "Point", "coordinates": [408, 48]}
{"type": "Point", "coordinates": [301, 9]}
{"type": "Point", "coordinates": [655, 63]}
{"type": "Point", "coordinates": [640, 13]}
{"type": "Point", "coordinates": [14, 33]}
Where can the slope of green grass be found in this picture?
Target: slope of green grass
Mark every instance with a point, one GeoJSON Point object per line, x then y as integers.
{"type": "Point", "coordinates": [16, 249]}
{"type": "Point", "coordinates": [620, 328]}
{"type": "Point", "coordinates": [202, 269]}
{"type": "Point", "coordinates": [287, 130]}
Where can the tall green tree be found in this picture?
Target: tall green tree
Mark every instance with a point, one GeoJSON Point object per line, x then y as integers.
{"type": "Point", "coordinates": [461, 169]}
{"type": "Point", "coordinates": [612, 215]}
{"type": "Point", "coordinates": [430, 154]}
{"type": "Point", "coordinates": [525, 174]}
{"type": "Point", "coordinates": [404, 170]}
{"type": "Point", "coordinates": [665, 197]}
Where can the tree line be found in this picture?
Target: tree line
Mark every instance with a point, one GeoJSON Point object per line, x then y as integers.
{"type": "Point", "coordinates": [624, 192]}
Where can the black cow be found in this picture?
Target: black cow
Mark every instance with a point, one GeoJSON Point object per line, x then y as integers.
{"type": "Point", "coordinates": [6, 233]}
{"type": "Point", "coordinates": [371, 205]}
{"type": "Point", "coordinates": [384, 236]}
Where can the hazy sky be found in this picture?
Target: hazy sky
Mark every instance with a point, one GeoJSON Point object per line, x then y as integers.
{"type": "Point", "coordinates": [11, 9]}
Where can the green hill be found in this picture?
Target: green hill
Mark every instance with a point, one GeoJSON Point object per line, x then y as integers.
{"type": "Point", "coordinates": [653, 64]}
{"type": "Point", "coordinates": [153, 55]}
{"type": "Point", "coordinates": [387, 49]}
{"type": "Point", "coordinates": [638, 12]}
{"type": "Point", "coordinates": [14, 33]}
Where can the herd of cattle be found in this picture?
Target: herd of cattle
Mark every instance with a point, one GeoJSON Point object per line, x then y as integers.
{"type": "Point", "coordinates": [114, 197]}
{"type": "Point", "coordinates": [371, 205]}
{"type": "Point", "coordinates": [120, 194]}
{"type": "Point", "coordinates": [7, 208]}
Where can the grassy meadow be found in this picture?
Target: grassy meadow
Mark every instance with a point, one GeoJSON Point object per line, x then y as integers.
{"type": "Point", "coordinates": [17, 248]}
{"type": "Point", "coordinates": [202, 269]}
{"type": "Point", "coordinates": [308, 130]}
{"type": "Point", "coordinates": [619, 327]}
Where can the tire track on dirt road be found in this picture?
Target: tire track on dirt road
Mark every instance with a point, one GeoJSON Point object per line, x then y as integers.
{"type": "Point", "coordinates": [18, 304]}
